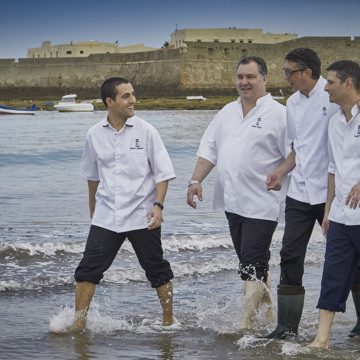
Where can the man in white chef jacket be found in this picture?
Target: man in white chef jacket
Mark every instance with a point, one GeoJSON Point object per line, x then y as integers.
{"type": "Point", "coordinates": [245, 141]}
{"type": "Point", "coordinates": [128, 169]}
{"type": "Point", "coordinates": [341, 224]}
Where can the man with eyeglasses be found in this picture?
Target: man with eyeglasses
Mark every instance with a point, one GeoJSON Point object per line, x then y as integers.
{"type": "Point", "coordinates": [308, 113]}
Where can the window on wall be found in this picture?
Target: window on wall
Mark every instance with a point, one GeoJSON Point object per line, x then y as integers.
{"type": "Point", "coordinates": [69, 52]}
{"type": "Point", "coordinates": [81, 51]}
{"type": "Point", "coordinates": [232, 40]}
{"type": "Point", "coordinates": [198, 40]}
{"type": "Point", "coordinates": [250, 41]}
{"type": "Point", "coordinates": [241, 41]}
{"type": "Point", "coordinates": [216, 40]}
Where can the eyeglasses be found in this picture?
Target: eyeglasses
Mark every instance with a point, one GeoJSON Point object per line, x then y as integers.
{"type": "Point", "coordinates": [289, 72]}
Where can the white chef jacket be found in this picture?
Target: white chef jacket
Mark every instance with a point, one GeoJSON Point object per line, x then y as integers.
{"type": "Point", "coordinates": [344, 153]}
{"type": "Point", "coordinates": [245, 150]}
{"type": "Point", "coordinates": [128, 165]}
{"type": "Point", "coordinates": [307, 126]}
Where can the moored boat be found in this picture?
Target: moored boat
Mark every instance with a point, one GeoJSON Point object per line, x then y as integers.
{"type": "Point", "coordinates": [68, 104]}
{"type": "Point", "coordinates": [5, 110]}
{"type": "Point", "coordinates": [200, 97]}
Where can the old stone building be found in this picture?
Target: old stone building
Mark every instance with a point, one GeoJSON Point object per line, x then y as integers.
{"type": "Point", "coordinates": [231, 35]}
{"type": "Point", "coordinates": [82, 49]}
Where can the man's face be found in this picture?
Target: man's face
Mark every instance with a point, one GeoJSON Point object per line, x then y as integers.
{"type": "Point", "coordinates": [334, 88]}
{"type": "Point", "coordinates": [250, 84]}
{"type": "Point", "coordinates": [297, 79]}
{"type": "Point", "coordinates": [123, 105]}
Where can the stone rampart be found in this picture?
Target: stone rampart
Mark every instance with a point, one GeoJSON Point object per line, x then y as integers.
{"type": "Point", "coordinates": [196, 68]}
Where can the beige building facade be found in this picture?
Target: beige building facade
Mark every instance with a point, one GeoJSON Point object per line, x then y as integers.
{"type": "Point", "coordinates": [82, 49]}
{"type": "Point", "coordinates": [231, 35]}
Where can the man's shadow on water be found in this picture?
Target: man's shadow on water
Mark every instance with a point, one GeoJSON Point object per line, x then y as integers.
{"type": "Point", "coordinates": [77, 345]}
{"type": "Point", "coordinates": [166, 347]}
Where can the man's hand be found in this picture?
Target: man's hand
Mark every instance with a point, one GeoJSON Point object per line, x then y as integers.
{"type": "Point", "coordinates": [194, 189]}
{"type": "Point", "coordinates": [155, 217]}
{"type": "Point", "coordinates": [273, 182]}
{"type": "Point", "coordinates": [92, 210]}
{"type": "Point", "coordinates": [325, 226]}
{"type": "Point", "coordinates": [354, 197]}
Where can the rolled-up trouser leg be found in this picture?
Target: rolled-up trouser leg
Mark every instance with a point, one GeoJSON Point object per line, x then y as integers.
{"type": "Point", "coordinates": [148, 249]}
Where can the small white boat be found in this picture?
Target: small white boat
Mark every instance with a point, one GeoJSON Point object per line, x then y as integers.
{"type": "Point", "coordinates": [5, 110]}
{"type": "Point", "coordinates": [68, 104]}
{"type": "Point", "coordinates": [200, 97]}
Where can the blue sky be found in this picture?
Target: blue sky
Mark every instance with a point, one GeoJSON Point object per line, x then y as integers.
{"type": "Point", "coordinates": [27, 23]}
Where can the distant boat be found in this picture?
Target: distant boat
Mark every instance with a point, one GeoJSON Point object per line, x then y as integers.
{"type": "Point", "coordinates": [200, 97]}
{"type": "Point", "coordinates": [68, 104]}
{"type": "Point", "coordinates": [5, 110]}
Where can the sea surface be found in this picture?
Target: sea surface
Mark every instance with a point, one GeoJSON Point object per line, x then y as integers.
{"type": "Point", "coordinates": [44, 222]}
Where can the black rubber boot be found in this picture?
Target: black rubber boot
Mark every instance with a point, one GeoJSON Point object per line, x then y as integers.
{"type": "Point", "coordinates": [290, 305]}
{"type": "Point", "coordinates": [355, 291]}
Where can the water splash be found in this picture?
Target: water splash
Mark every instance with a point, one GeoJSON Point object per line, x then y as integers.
{"type": "Point", "coordinates": [290, 349]}
{"type": "Point", "coordinates": [107, 324]}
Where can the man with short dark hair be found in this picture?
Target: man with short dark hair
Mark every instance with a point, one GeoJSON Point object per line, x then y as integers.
{"type": "Point", "coordinates": [128, 169]}
{"type": "Point", "coordinates": [308, 113]}
{"type": "Point", "coordinates": [341, 222]}
{"type": "Point", "coordinates": [245, 141]}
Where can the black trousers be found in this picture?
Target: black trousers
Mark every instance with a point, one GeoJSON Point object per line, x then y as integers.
{"type": "Point", "coordinates": [102, 246]}
{"type": "Point", "coordinates": [300, 219]}
{"type": "Point", "coordinates": [251, 239]}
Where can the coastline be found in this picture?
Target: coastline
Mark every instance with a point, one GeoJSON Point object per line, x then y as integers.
{"type": "Point", "coordinates": [211, 103]}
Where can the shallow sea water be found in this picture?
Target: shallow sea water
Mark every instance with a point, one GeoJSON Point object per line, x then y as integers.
{"type": "Point", "coordinates": [43, 228]}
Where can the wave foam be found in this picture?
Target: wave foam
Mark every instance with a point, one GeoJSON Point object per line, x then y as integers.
{"type": "Point", "coordinates": [47, 249]}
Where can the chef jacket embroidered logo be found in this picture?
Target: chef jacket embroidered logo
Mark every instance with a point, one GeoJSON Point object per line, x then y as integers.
{"type": "Point", "coordinates": [257, 125]}
{"type": "Point", "coordinates": [137, 145]}
{"type": "Point", "coordinates": [358, 132]}
{"type": "Point", "coordinates": [324, 111]}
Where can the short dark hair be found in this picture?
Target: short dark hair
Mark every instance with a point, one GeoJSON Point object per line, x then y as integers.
{"type": "Point", "coordinates": [347, 69]}
{"type": "Point", "coordinates": [260, 61]}
{"type": "Point", "coordinates": [306, 59]}
{"type": "Point", "coordinates": [108, 88]}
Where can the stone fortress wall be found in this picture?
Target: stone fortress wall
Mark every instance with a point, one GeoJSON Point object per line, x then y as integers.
{"type": "Point", "coordinates": [195, 68]}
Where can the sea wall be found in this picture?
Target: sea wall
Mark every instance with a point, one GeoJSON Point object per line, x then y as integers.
{"type": "Point", "coordinates": [196, 68]}
{"type": "Point", "coordinates": [55, 77]}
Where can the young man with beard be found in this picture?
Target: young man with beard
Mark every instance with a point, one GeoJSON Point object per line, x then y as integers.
{"type": "Point", "coordinates": [245, 141]}
{"type": "Point", "coordinates": [341, 222]}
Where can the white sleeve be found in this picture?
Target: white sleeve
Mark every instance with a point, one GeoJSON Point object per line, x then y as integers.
{"type": "Point", "coordinates": [159, 158]}
{"type": "Point", "coordinates": [207, 148]}
{"type": "Point", "coordinates": [89, 167]}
